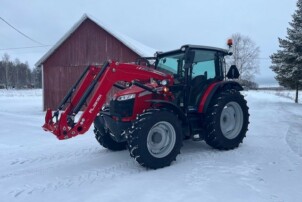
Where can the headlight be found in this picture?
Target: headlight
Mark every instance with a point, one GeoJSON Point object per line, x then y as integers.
{"type": "Point", "coordinates": [126, 97]}
{"type": "Point", "coordinates": [164, 82]}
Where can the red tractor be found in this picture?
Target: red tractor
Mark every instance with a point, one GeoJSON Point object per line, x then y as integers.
{"type": "Point", "coordinates": [185, 94]}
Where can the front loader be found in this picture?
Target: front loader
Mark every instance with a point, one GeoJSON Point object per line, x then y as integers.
{"type": "Point", "coordinates": [185, 94]}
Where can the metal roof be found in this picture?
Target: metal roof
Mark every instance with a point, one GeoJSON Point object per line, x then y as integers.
{"type": "Point", "coordinates": [206, 48]}
{"type": "Point", "coordinates": [134, 45]}
{"type": "Point", "coordinates": [225, 51]}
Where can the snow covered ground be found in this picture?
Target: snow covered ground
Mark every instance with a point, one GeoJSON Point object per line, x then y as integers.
{"type": "Point", "coordinates": [35, 166]}
{"type": "Point", "coordinates": [291, 94]}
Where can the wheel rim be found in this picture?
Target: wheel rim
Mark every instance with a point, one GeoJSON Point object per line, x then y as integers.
{"type": "Point", "coordinates": [231, 120]}
{"type": "Point", "coordinates": [161, 139]}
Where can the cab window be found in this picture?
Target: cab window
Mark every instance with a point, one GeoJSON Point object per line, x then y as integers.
{"type": "Point", "coordinates": [204, 64]}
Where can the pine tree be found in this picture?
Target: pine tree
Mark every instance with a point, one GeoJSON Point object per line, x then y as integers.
{"type": "Point", "coordinates": [287, 62]}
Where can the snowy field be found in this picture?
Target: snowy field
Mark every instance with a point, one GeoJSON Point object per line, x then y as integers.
{"type": "Point", "coordinates": [290, 94]}
{"type": "Point", "coordinates": [36, 167]}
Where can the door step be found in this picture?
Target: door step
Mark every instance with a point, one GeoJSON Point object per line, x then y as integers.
{"type": "Point", "coordinates": [196, 137]}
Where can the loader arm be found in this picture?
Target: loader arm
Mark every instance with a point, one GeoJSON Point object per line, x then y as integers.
{"type": "Point", "coordinates": [92, 88]}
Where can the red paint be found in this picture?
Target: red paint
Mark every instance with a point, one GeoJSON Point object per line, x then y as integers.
{"type": "Point", "coordinates": [205, 97]}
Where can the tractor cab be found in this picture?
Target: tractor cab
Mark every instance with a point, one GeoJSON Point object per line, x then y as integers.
{"type": "Point", "coordinates": [194, 69]}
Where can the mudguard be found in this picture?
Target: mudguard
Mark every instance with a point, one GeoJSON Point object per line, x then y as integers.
{"type": "Point", "coordinates": [213, 89]}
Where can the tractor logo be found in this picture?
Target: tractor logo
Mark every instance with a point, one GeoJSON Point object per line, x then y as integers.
{"type": "Point", "coordinates": [95, 104]}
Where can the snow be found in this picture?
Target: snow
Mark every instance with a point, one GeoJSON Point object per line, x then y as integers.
{"type": "Point", "coordinates": [136, 46]}
{"type": "Point", "coordinates": [35, 166]}
{"type": "Point", "coordinates": [291, 94]}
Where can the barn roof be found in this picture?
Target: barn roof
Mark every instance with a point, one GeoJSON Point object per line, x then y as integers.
{"type": "Point", "coordinates": [139, 48]}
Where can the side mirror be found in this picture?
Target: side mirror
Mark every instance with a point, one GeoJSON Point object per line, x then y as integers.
{"type": "Point", "coordinates": [189, 58]}
{"type": "Point", "coordinates": [233, 72]}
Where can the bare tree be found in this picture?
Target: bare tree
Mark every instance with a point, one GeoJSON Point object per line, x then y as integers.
{"type": "Point", "coordinates": [15, 74]}
{"type": "Point", "coordinates": [245, 57]}
{"type": "Point", "coordinates": [36, 77]}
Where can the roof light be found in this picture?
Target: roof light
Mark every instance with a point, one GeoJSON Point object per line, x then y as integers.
{"type": "Point", "coordinates": [230, 42]}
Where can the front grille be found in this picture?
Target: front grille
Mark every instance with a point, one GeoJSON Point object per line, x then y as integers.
{"type": "Point", "coordinates": [121, 108]}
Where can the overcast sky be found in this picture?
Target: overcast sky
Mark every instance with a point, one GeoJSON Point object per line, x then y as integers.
{"type": "Point", "coordinates": [160, 24]}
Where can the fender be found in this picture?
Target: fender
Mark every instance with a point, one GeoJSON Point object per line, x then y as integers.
{"type": "Point", "coordinates": [211, 91]}
{"type": "Point", "coordinates": [172, 106]}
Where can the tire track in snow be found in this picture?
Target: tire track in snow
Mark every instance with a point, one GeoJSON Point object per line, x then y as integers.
{"type": "Point", "coordinates": [31, 163]}
{"type": "Point", "coordinates": [198, 154]}
{"type": "Point", "coordinates": [72, 154]}
{"type": "Point", "coordinates": [294, 130]}
{"type": "Point", "coordinates": [206, 161]}
{"type": "Point", "coordinates": [84, 152]}
{"type": "Point", "coordinates": [293, 139]}
{"type": "Point", "coordinates": [117, 170]}
{"type": "Point", "coordinates": [121, 169]}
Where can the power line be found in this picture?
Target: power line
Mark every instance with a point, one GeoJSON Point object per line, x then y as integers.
{"type": "Point", "coordinates": [21, 32]}
{"type": "Point", "coordinates": [27, 47]}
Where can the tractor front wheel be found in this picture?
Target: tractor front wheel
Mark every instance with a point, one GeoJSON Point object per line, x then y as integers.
{"type": "Point", "coordinates": [227, 120]}
{"type": "Point", "coordinates": [155, 138]}
{"type": "Point", "coordinates": [104, 138]}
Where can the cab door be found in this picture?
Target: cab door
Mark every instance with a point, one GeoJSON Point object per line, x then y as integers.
{"type": "Point", "coordinates": [206, 69]}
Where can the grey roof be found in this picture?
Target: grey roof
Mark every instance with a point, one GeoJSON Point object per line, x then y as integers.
{"type": "Point", "coordinates": [206, 47]}
{"type": "Point", "coordinates": [194, 47]}
{"type": "Point", "coordinates": [134, 45]}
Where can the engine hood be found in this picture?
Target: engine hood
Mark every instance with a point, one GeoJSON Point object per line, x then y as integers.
{"type": "Point", "coordinates": [146, 75]}
{"type": "Point", "coordinates": [132, 90]}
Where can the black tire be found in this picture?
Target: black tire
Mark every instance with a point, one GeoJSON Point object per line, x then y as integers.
{"type": "Point", "coordinates": [150, 131]}
{"type": "Point", "coordinates": [104, 138]}
{"type": "Point", "coordinates": [228, 110]}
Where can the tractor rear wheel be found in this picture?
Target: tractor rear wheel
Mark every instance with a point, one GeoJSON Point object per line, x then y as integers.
{"type": "Point", "coordinates": [227, 120]}
{"type": "Point", "coordinates": [155, 138]}
{"type": "Point", "coordinates": [104, 138]}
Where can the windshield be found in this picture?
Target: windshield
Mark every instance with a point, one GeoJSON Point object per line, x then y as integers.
{"type": "Point", "coordinates": [171, 64]}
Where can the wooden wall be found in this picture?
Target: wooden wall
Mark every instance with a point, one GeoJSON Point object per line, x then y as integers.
{"type": "Point", "coordinates": [89, 44]}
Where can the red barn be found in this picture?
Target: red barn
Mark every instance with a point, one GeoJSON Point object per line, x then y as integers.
{"type": "Point", "coordinates": [87, 42]}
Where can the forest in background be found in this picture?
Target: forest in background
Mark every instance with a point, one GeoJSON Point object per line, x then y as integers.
{"type": "Point", "coordinates": [17, 74]}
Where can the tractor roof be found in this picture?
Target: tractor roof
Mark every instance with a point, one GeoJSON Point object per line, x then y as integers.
{"type": "Point", "coordinates": [225, 51]}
